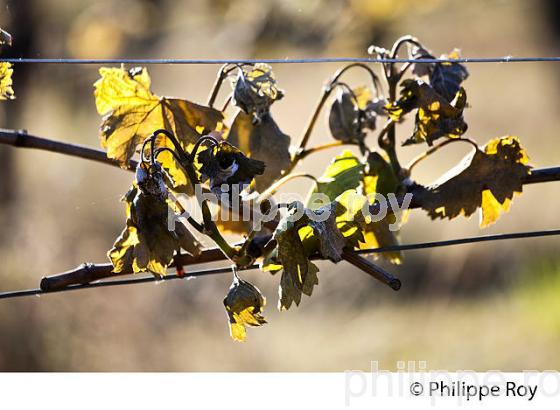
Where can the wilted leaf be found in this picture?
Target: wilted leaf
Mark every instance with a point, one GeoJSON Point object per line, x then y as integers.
{"type": "Point", "coordinates": [255, 90]}
{"type": "Point", "coordinates": [435, 117]}
{"type": "Point", "coordinates": [131, 113]}
{"type": "Point", "coordinates": [331, 241]}
{"type": "Point", "coordinates": [343, 173]}
{"type": "Point", "coordinates": [380, 178]}
{"type": "Point", "coordinates": [446, 78]}
{"type": "Point", "coordinates": [225, 164]}
{"type": "Point", "coordinates": [487, 179]}
{"type": "Point", "coordinates": [263, 141]}
{"type": "Point", "coordinates": [244, 304]}
{"type": "Point", "coordinates": [6, 90]}
{"type": "Point", "coordinates": [270, 262]}
{"type": "Point", "coordinates": [421, 69]}
{"type": "Point", "coordinates": [147, 243]}
{"type": "Point", "coordinates": [352, 113]}
{"type": "Point", "coordinates": [299, 275]}
{"type": "Point", "coordinates": [343, 118]}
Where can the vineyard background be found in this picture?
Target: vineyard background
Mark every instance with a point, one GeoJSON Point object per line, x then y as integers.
{"type": "Point", "coordinates": [468, 307]}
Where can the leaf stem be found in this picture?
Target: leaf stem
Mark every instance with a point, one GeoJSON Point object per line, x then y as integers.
{"type": "Point", "coordinates": [433, 149]}
{"type": "Point", "coordinates": [386, 141]}
{"type": "Point", "coordinates": [186, 161]}
{"type": "Point", "coordinates": [327, 90]}
{"type": "Point", "coordinates": [408, 39]}
{"type": "Point", "coordinates": [317, 148]}
{"type": "Point", "coordinates": [210, 228]}
{"type": "Point", "coordinates": [222, 74]}
{"type": "Point", "coordinates": [201, 140]}
{"type": "Point", "coordinates": [276, 186]}
{"type": "Point", "coordinates": [374, 78]}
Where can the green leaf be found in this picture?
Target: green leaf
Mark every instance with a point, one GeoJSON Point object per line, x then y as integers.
{"type": "Point", "coordinates": [262, 141]}
{"type": "Point", "coordinates": [379, 176]}
{"type": "Point", "coordinates": [343, 173]}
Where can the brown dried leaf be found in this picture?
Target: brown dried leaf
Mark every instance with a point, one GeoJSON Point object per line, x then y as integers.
{"type": "Point", "coordinates": [486, 179]}
{"type": "Point", "coordinates": [262, 141]}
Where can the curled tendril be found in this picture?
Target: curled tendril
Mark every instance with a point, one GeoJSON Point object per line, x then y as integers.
{"type": "Point", "coordinates": [206, 138]}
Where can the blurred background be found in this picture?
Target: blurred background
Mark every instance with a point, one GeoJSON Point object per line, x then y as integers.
{"type": "Point", "coordinates": [483, 306]}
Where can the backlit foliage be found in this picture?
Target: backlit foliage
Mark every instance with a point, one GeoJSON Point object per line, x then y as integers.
{"type": "Point", "coordinates": [6, 70]}
{"type": "Point", "coordinates": [180, 143]}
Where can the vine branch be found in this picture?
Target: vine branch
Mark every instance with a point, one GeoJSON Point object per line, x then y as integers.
{"type": "Point", "coordinates": [92, 272]}
{"type": "Point", "coordinates": [87, 277]}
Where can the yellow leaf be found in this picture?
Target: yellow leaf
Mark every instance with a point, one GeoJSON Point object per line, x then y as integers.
{"type": "Point", "coordinates": [118, 87]}
{"type": "Point", "coordinates": [244, 304]}
{"type": "Point", "coordinates": [491, 209]}
{"type": "Point", "coordinates": [299, 275]}
{"type": "Point", "coordinates": [6, 90]}
{"type": "Point", "coordinates": [363, 96]}
{"type": "Point", "coordinates": [131, 113]}
{"type": "Point", "coordinates": [380, 178]}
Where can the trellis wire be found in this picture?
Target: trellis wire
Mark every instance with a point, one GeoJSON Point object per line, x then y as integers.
{"type": "Point", "coordinates": [505, 59]}
{"type": "Point", "coordinates": [415, 246]}
{"type": "Point", "coordinates": [408, 247]}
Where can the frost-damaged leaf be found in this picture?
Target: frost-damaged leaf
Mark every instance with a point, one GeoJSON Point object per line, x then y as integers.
{"type": "Point", "coordinates": [380, 178]}
{"type": "Point", "coordinates": [487, 179]}
{"type": "Point", "coordinates": [323, 231]}
{"type": "Point", "coordinates": [340, 182]}
{"type": "Point", "coordinates": [224, 164]}
{"type": "Point", "coordinates": [5, 38]}
{"type": "Point", "coordinates": [6, 90]}
{"type": "Point", "coordinates": [244, 304]}
{"type": "Point", "coordinates": [344, 172]}
{"type": "Point", "coordinates": [147, 243]}
{"type": "Point", "coordinates": [299, 275]}
{"type": "Point", "coordinates": [255, 89]}
{"type": "Point", "coordinates": [446, 78]}
{"type": "Point", "coordinates": [352, 113]}
{"type": "Point", "coordinates": [263, 141]}
{"type": "Point", "coordinates": [131, 113]}
{"type": "Point", "coordinates": [435, 117]}
{"type": "Point", "coordinates": [421, 69]}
